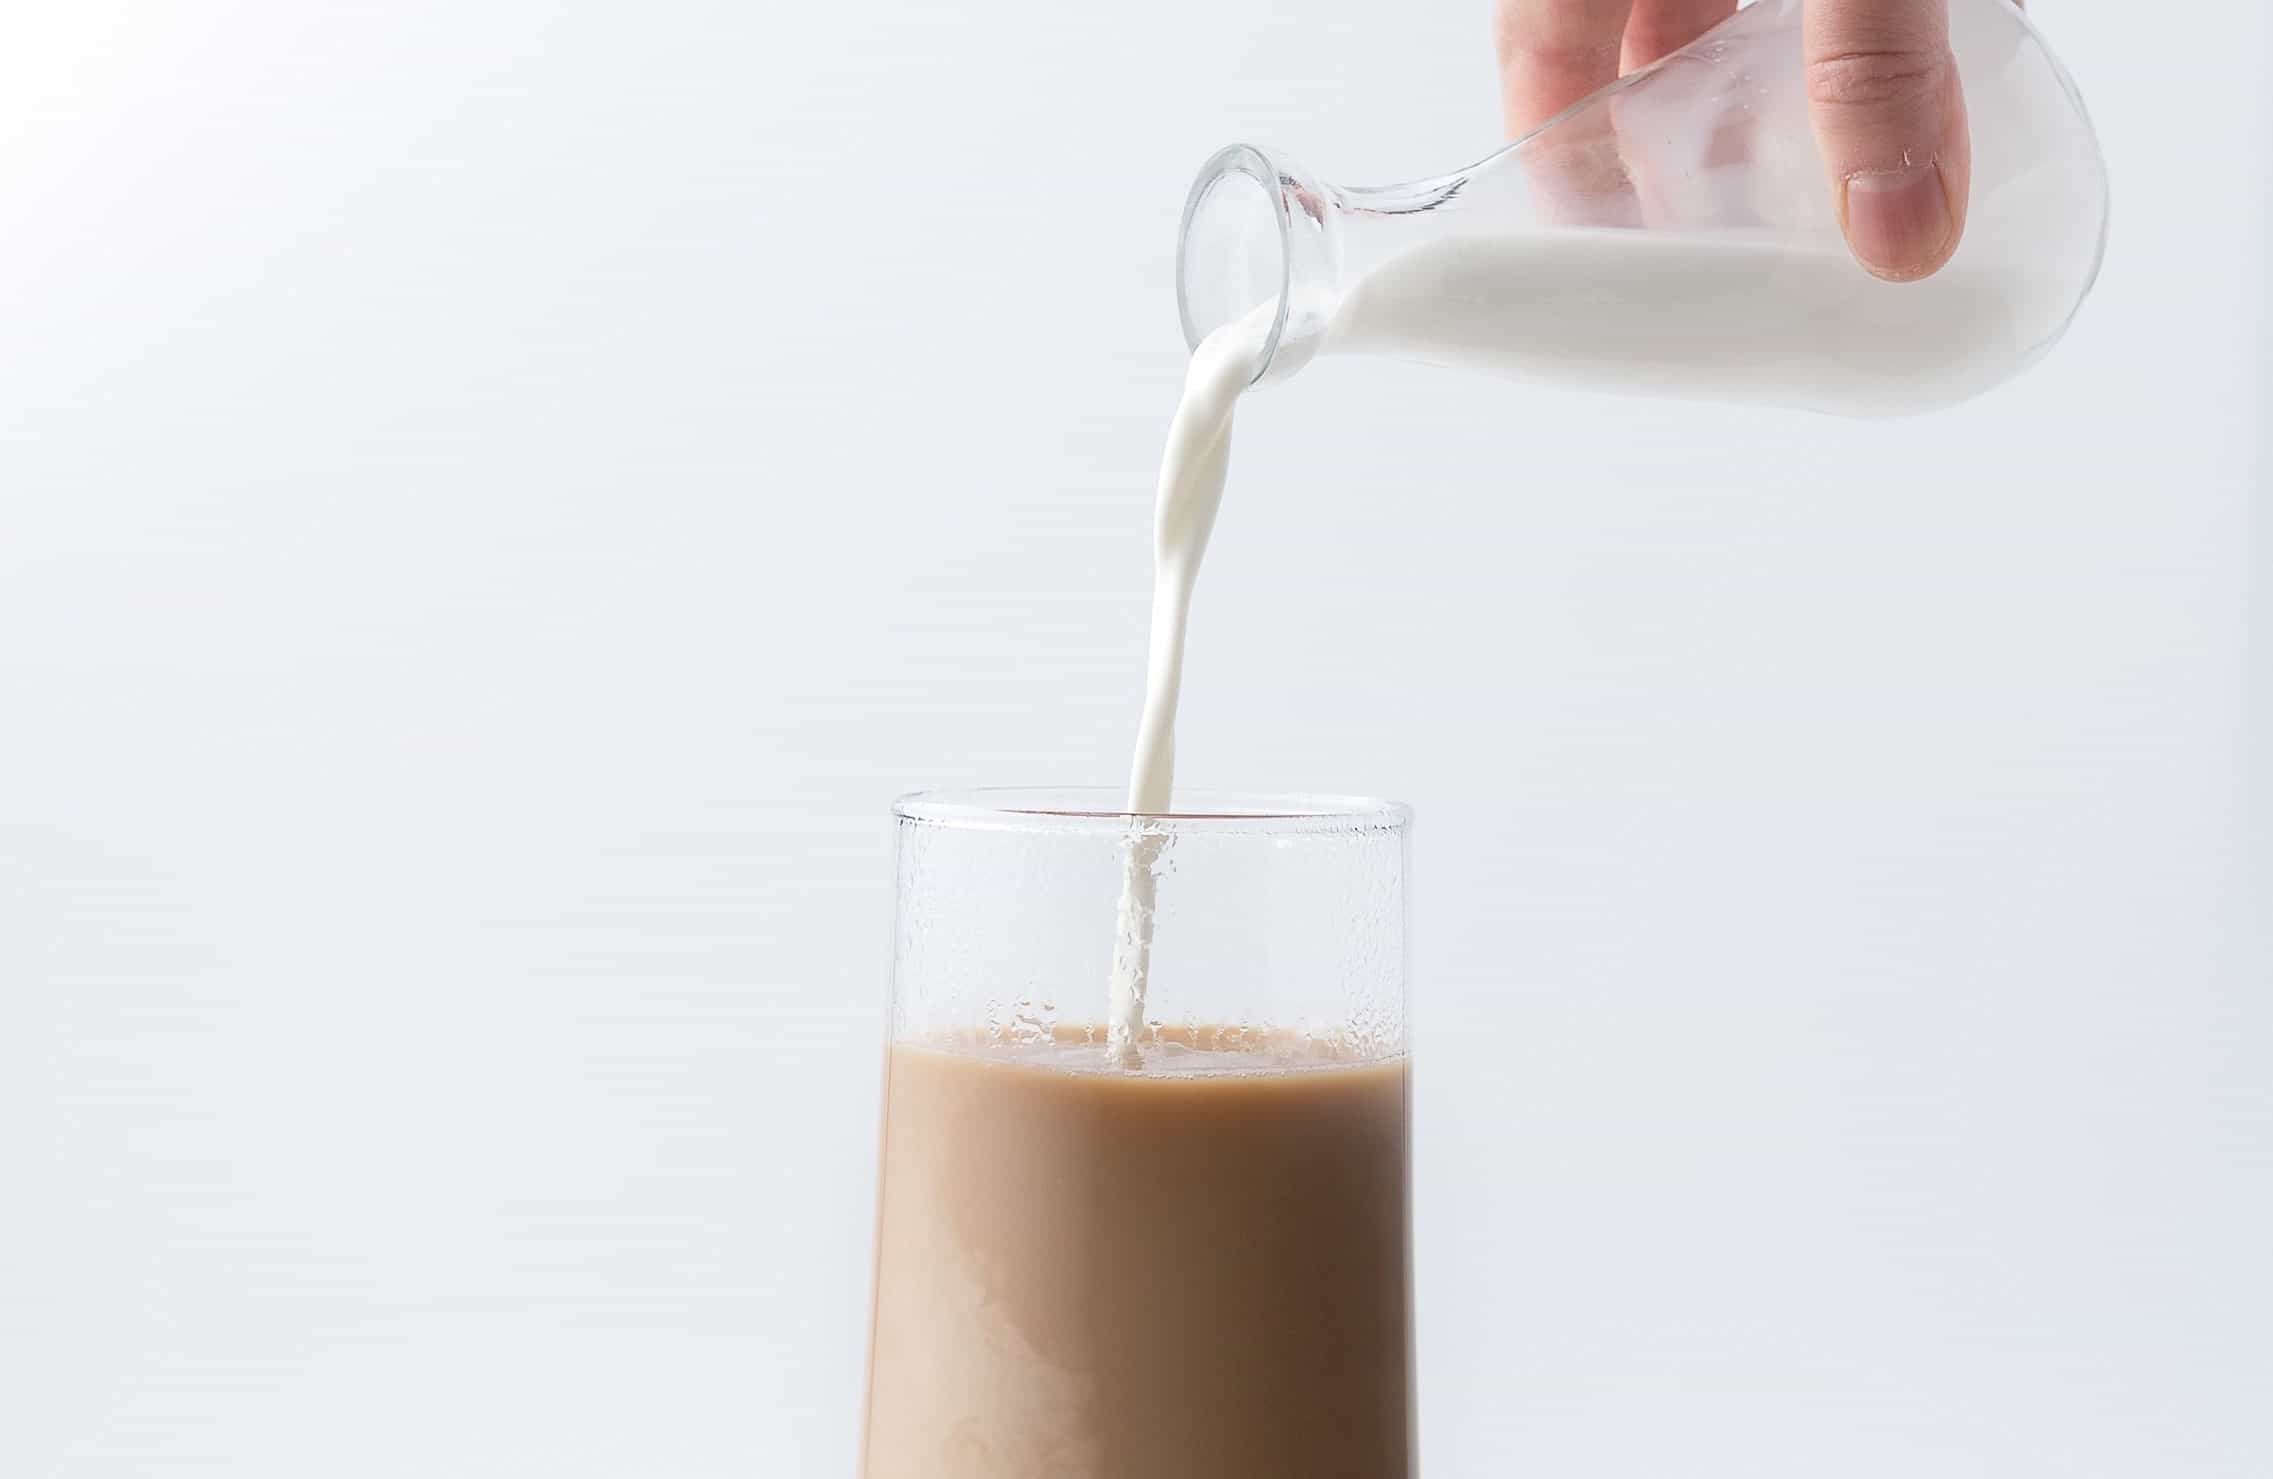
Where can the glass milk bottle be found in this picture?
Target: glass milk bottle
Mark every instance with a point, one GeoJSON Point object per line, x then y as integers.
{"type": "Point", "coordinates": [1672, 234]}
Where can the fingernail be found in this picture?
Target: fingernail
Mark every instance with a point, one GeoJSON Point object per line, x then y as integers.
{"type": "Point", "coordinates": [1898, 219]}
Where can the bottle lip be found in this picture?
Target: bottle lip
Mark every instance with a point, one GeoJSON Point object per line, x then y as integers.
{"type": "Point", "coordinates": [1225, 169]}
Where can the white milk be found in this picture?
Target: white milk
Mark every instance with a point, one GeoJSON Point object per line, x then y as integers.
{"type": "Point", "coordinates": [1692, 318]}
{"type": "Point", "coordinates": [1191, 489]}
{"type": "Point", "coordinates": [1700, 318]}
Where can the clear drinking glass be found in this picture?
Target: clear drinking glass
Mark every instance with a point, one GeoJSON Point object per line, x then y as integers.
{"type": "Point", "coordinates": [1197, 1266]}
{"type": "Point", "coordinates": [1673, 233]}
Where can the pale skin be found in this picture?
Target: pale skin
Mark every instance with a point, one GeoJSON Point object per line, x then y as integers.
{"type": "Point", "coordinates": [1889, 116]}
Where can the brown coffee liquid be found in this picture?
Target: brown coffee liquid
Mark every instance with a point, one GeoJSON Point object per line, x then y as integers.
{"type": "Point", "coordinates": [1198, 1270]}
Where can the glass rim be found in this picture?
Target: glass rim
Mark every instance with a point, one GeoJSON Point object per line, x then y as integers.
{"type": "Point", "coordinates": [1103, 809]}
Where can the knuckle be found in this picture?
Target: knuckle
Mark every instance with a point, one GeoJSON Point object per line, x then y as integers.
{"type": "Point", "coordinates": [1874, 79]}
{"type": "Point", "coordinates": [1553, 34]}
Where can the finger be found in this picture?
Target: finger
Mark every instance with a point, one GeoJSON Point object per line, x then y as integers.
{"type": "Point", "coordinates": [1890, 121]}
{"type": "Point", "coordinates": [1666, 185]}
{"type": "Point", "coordinates": [1552, 53]}
{"type": "Point", "coordinates": [1661, 27]}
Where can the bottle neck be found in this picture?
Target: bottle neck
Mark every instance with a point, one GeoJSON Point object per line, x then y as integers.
{"type": "Point", "coordinates": [1260, 250]}
{"type": "Point", "coordinates": [1270, 251]}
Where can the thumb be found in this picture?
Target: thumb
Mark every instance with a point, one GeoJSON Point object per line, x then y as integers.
{"type": "Point", "coordinates": [1890, 121]}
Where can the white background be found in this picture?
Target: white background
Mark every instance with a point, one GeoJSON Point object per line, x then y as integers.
{"type": "Point", "coordinates": [496, 497]}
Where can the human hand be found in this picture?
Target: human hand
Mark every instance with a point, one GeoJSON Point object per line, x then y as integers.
{"type": "Point", "coordinates": [1882, 88]}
